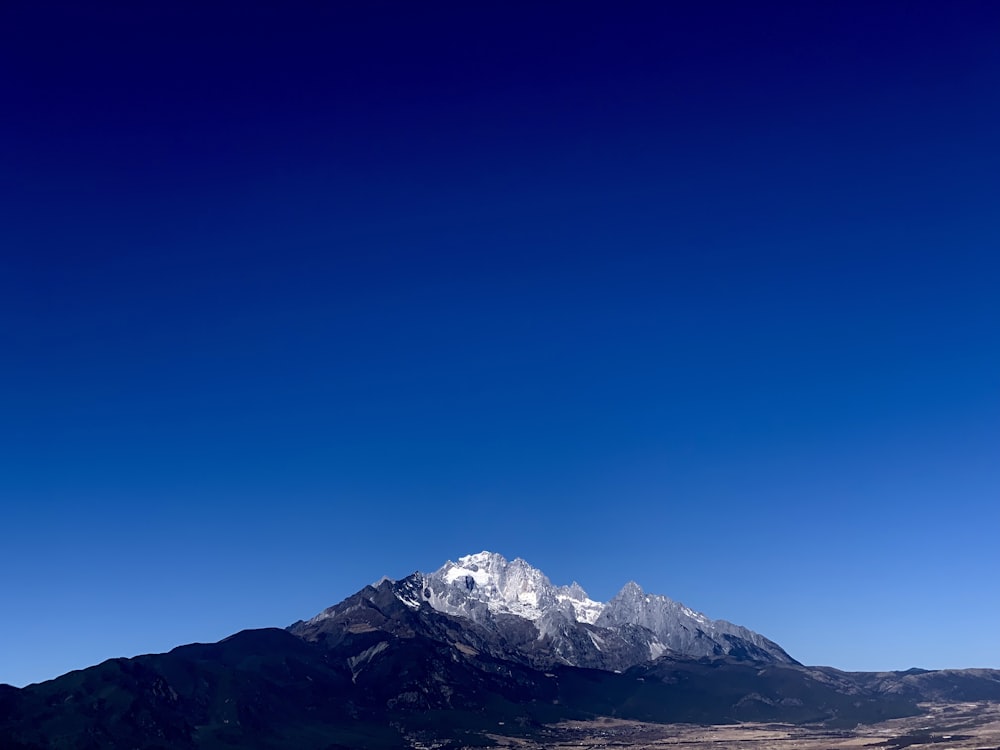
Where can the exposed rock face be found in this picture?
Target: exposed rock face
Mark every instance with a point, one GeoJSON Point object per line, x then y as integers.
{"type": "Point", "coordinates": [517, 609]}
{"type": "Point", "coordinates": [685, 631]}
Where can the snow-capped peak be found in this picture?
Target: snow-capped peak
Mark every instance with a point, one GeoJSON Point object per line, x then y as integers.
{"type": "Point", "coordinates": [483, 568]}
{"type": "Point", "coordinates": [517, 604]}
{"type": "Point", "coordinates": [488, 578]}
{"type": "Point", "coordinates": [505, 587]}
{"type": "Point", "coordinates": [584, 608]}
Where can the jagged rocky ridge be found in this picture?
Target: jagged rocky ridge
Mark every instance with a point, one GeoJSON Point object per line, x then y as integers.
{"type": "Point", "coordinates": [446, 659]}
{"type": "Point", "coordinates": [521, 614]}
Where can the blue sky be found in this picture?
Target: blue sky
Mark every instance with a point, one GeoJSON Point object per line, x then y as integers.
{"type": "Point", "coordinates": [294, 298]}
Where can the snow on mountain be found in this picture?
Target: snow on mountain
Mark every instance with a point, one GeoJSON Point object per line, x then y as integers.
{"type": "Point", "coordinates": [585, 608]}
{"type": "Point", "coordinates": [514, 588]}
{"type": "Point", "coordinates": [504, 587]}
{"type": "Point", "coordinates": [517, 609]}
{"type": "Point", "coordinates": [681, 629]}
{"type": "Point", "coordinates": [486, 588]}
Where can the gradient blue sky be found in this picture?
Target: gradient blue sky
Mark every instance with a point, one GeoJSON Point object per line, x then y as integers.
{"type": "Point", "coordinates": [698, 294]}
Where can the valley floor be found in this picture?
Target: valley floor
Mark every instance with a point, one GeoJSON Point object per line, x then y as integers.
{"type": "Point", "coordinates": [952, 726]}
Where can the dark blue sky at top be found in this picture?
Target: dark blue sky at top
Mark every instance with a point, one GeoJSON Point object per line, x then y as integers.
{"type": "Point", "coordinates": [700, 294]}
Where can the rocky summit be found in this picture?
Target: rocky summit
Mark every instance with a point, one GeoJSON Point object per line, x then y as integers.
{"type": "Point", "coordinates": [528, 618]}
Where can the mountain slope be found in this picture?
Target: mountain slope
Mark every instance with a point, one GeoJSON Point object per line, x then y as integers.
{"type": "Point", "coordinates": [524, 616]}
{"type": "Point", "coordinates": [685, 631]}
{"type": "Point", "coordinates": [447, 657]}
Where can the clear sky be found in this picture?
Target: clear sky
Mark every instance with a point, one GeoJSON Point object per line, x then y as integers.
{"type": "Point", "coordinates": [705, 295]}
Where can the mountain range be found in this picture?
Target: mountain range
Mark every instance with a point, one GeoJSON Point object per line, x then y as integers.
{"type": "Point", "coordinates": [512, 611]}
{"type": "Point", "coordinates": [448, 657]}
